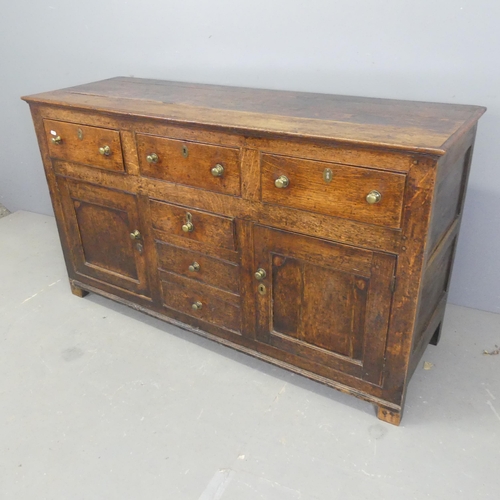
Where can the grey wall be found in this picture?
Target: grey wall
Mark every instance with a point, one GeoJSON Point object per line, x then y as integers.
{"type": "Point", "coordinates": [435, 50]}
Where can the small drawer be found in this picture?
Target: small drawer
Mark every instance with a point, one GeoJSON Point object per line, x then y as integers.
{"type": "Point", "coordinates": [199, 267]}
{"type": "Point", "coordinates": [97, 147]}
{"type": "Point", "coordinates": [201, 301]}
{"type": "Point", "coordinates": [356, 193]}
{"type": "Point", "coordinates": [206, 166]}
{"type": "Point", "coordinates": [210, 229]}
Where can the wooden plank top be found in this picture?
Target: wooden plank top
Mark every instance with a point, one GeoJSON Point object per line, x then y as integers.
{"type": "Point", "coordinates": [420, 127]}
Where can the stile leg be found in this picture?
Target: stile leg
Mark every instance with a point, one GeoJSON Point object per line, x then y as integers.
{"type": "Point", "coordinates": [390, 416]}
{"type": "Point", "coordinates": [79, 292]}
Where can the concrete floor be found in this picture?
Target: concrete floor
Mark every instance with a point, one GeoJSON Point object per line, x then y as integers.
{"type": "Point", "coordinates": [98, 401]}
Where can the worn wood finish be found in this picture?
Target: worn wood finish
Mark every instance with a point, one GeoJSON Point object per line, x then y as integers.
{"type": "Point", "coordinates": [324, 301]}
{"type": "Point", "coordinates": [198, 266]}
{"type": "Point", "coordinates": [344, 195]}
{"type": "Point", "coordinates": [213, 229]}
{"type": "Point", "coordinates": [190, 163]}
{"type": "Point", "coordinates": [81, 144]}
{"type": "Point", "coordinates": [92, 212]}
{"type": "Point", "coordinates": [352, 292]}
{"type": "Point", "coordinates": [213, 306]}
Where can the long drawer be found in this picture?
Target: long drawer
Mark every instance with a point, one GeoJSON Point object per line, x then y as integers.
{"type": "Point", "coordinates": [191, 224]}
{"type": "Point", "coordinates": [94, 146]}
{"type": "Point", "coordinates": [201, 301]}
{"type": "Point", "coordinates": [361, 194]}
{"type": "Point", "coordinates": [197, 266]}
{"type": "Point", "coordinates": [206, 166]}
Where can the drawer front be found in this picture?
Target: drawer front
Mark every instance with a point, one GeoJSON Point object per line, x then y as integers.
{"type": "Point", "coordinates": [333, 189]}
{"type": "Point", "coordinates": [98, 147]}
{"type": "Point", "coordinates": [206, 166]}
{"type": "Point", "coordinates": [201, 301]}
{"type": "Point", "coordinates": [197, 266]}
{"type": "Point", "coordinates": [210, 229]}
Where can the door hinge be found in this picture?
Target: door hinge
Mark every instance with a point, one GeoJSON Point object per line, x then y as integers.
{"type": "Point", "coordinates": [393, 284]}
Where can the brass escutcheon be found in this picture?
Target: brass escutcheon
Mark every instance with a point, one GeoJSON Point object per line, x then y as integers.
{"type": "Point", "coordinates": [79, 133]}
{"type": "Point", "coordinates": [327, 175]}
{"type": "Point", "coordinates": [262, 289]}
{"type": "Point", "coordinates": [185, 151]}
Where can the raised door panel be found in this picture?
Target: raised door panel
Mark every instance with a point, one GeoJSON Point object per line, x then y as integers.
{"type": "Point", "coordinates": [323, 301]}
{"type": "Point", "coordinates": [99, 225]}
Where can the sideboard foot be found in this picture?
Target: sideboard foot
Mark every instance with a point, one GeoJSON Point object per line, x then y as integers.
{"type": "Point", "coordinates": [390, 416]}
{"type": "Point", "coordinates": [436, 336]}
{"type": "Point", "coordinates": [79, 292]}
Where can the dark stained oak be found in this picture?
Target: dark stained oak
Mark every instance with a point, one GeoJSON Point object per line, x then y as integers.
{"type": "Point", "coordinates": [408, 125]}
{"type": "Point", "coordinates": [82, 144]}
{"type": "Point", "coordinates": [344, 195]}
{"type": "Point", "coordinates": [190, 163]}
{"type": "Point", "coordinates": [347, 293]}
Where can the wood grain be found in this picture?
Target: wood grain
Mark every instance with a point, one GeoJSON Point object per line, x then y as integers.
{"type": "Point", "coordinates": [352, 293]}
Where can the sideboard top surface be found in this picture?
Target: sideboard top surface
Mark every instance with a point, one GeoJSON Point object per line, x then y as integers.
{"type": "Point", "coordinates": [419, 127]}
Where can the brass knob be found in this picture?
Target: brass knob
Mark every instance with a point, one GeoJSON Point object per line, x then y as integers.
{"type": "Point", "coordinates": [188, 226]}
{"type": "Point", "coordinates": [57, 139]}
{"type": "Point", "coordinates": [194, 267]}
{"type": "Point", "coordinates": [152, 158]}
{"type": "Point", "coordinates": [218, 170]}
{"type": "Point", "coordinates": [281, 182]}
{"type": "Point", "coordinates": [197, 305]}
{"type": "Point", "coordinates": [105, 150]}
{"type": "Point", "coordinates": [373, 197]}
{"type": "Point", "coordinates": [135, 235]}
{"type": "Point", "coordinates": [260, 274]}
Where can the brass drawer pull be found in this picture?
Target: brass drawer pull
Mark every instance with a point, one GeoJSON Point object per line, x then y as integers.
{"type": "Point", "coordinates": [152, 158]}
{"type": "Point", "coordinates": [260, 274]}
{"type": "Point", "coordinates": [135, 235]}
{"type": "Point", "coordinates": [188, 226]}
{"type": "Point", "coordinates": [197, 305]}
{"type": "Point", "coordinates": [282, 182]}
{"type": "Point", "coordinates": [105, 151]}
{"type": "Point", "coordinates": [57, 139]}
{"type": "Point", "coordinates": [218, 170]}
{"type": "Point", "coordinates": [194, 267]}
{"type": "Point", "coordinates": [373, 197]}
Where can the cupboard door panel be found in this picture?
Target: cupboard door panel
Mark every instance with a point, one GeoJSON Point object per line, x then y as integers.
{"type": "Point", "coordinates": [100, 223]}
{"type": "Point", "coordinates": [319, 305]}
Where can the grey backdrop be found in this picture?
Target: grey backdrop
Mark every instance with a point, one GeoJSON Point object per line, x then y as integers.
{"type": "Point", "coordinates": [435, 50]}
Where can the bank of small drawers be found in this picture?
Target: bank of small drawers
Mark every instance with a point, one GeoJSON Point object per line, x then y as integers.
{"type": "Point", "coordinates": [195, 279]}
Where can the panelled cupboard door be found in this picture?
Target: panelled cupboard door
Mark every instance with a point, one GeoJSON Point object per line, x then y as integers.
{"type": "Point", "coordinates": [104, 232]}
{"type": "Point", "coordinates": [324, 301]}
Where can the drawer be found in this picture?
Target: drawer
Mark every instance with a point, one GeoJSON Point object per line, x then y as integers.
{"type": "Point", "coordinates": [210, 229]}
{"type": "Point", "coordinates": [199, 267]}
{"type": "Point", "coordinates": [201, 301]}
{"type": "Point", "coordinates": [333, 189]}
{"type": "Point", "coordinates": [98, 147]}
{"type": "Point", "coordinates": [206, 166]}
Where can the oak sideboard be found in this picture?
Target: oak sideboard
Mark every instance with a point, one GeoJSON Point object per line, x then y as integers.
{"type": "Point", "coordinates": [316, 232]}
